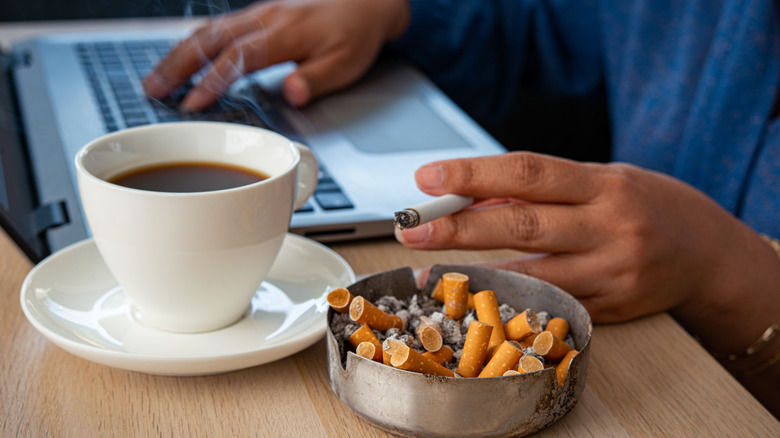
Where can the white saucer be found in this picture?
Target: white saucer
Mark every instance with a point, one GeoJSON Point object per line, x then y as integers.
{"type": "Point", "coordinates": [73, 300]}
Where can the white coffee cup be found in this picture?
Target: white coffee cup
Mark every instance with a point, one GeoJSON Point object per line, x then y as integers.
{"type": "Point", "coordinates": [191, 262]}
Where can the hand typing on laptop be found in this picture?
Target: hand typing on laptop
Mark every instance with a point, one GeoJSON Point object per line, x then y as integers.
{"type": "Point", "coordinates": [334, 43]}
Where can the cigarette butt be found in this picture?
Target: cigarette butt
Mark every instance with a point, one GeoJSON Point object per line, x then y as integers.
{"type": "Point", "coordinates": [369, 350]}
{"type": "Point", "coordinates": [506, 357]}
{"type": "Point", "coordinates": [388, 348]}
{"type": "Point", "coordinates": [474, 349]}
{"type": "Point", "coordinates": [407, 359]}
{"type": "Point", "coordinates": [438, 294]}
{"type": "Point", "coordinates": [562, 369]}
{"type": "Point", "coordinates": [365, 334]}
{"type": "Point", "coordinates": [429, 334]}
{"type": "Point", "coordinates": [559, 328]}
{"type": "Point", "coordinates": [529, 364]}
{"type": "Point", "coordinates": [456, 294]}
{"type": "Point", "coordinates": [339, 299]}
{"type": "Point", "coordinates": [443, 355]}
{"type": "Point", "coordinates": [522, 325]}
{"type": "Point", "coordinates": [363, 311]}
{"type": "Point", "coordinates": [486, 305]}
{"type": "Point", "coordinates": [550, 347]}
{"type": "Point", "coordinates": [528, 341]}
{"type": "Point", "coordinates": [511, 373]}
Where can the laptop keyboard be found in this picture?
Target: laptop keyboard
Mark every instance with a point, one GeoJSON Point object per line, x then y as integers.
{"type": "Point", "coordinates": [115, 70]}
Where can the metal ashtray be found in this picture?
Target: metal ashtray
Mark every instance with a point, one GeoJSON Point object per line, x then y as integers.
{"type": "Point", "coordinates": [418, 405]}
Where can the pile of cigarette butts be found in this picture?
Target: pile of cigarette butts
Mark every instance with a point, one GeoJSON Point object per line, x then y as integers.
{"type": "Point", "coordinates": [491, 348]}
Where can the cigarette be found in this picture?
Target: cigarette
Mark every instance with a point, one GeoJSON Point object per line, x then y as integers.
{"type": "Point", "coordinates": [529, 364]}
{"type": "Point", "coordinates": [562, 369]}
{"type": "Point", "coordinates": [365, 334]}
{"type": "Point", "coordinates": [369, 351]}
{"type": "Point", "coordinates": [388, 348]}
{"type": "Point", "coordinates": [559, 328]}
{"type": "Point", "coordinates": [429, 334]}
{"type": "Point", "coordinates": [443, 355]}
{"type": "Point", "coordinates": [486, 306]}
{"type": "Point", "coordinates": [511, 373]}
{"type": "Point", "coordinates": [407, 359]}
{"type": "Point", "coordinates": [506, 358]}
{"type": "Point", "coordinates": [550, 347]}
{"type": "Point", "coordinates": [456, 294]}
{"type": "Point", "coordinates": [438, 294]}
{"type": "Point", "coordinates": [431, 210]}
{"type": "Point", "coordinates": [339, 299]}
{"type": "Point", "coordinates": [474, 349]}
{"type": "Point", "coordinates": [363, 311]}
{"type": "Point", "coordinates": [522, 326]}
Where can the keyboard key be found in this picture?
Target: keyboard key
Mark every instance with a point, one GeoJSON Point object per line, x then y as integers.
{"type": "Point", "coordinates": [333, 200]}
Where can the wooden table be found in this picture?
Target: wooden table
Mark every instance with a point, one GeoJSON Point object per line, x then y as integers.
{"type": "Point", "coordinates": [647, 378]}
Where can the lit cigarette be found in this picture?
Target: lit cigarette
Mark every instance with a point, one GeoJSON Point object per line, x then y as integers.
{"type": "Point", "coordinates": [431, 210]}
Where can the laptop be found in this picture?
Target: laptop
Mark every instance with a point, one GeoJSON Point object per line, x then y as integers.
{"type": "Point", "coordinates": [60, 91]}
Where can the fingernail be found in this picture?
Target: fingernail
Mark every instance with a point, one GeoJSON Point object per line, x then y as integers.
{"type": "Point", "coordinates": [195, 100]}
{"type": "Point", "coordinates": [416, 235]}
{"type": "Point", "coordinates": [429, 177]}
{"type": "Point", "coordinates": [154, 86]}
{"type": "Point", "coordinates": [296, 91]}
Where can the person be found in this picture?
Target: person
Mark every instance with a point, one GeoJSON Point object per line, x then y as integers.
{"type": "Point", "coordinates": [678, 222]}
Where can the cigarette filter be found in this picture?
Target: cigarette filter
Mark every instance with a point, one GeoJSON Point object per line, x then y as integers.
{"type": "Point", "coordinates": [369, 351]}
{"type": "Point", "coordinates": [438, 294]}
{"type": "Point", "coordinates": [474, 349]}
{"type": "Point", "coordinates": [407, 359]}
{"type": "Point", "coordinates": [388, 348]}
{"type": "Point", "coordinates": [429, 334]}
{"type": "Point", "coordinates": [562, 369]}
{"type": "Point", "coordinates": [552, 348]}
{"type": "Point", "coordinates": [506, 357]}
{"type": "Point", "coordinates": [511, 373]}
{"type": "Point", "coordinates": [486, 305]}
{"type": "Point", "coordinates": [559, 327]}
{"type": "Point", "coordinates": [365, 334]}
{"type": "Point", "coordinates": [522, 326]}
{"type": "Point", "coordinates": [443, 355]}
{"type": "Point", "coordinates": [363, 311]}
{"type": "Point", "coordinates": [339, 299]}
{"type": "Point", "coordinates": [456, 289]}
{"type": "Point", "coordinates": [529, 364]}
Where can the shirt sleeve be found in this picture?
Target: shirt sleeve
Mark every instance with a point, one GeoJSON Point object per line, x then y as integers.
{"type": "Point", "coordinates": [482, 52]}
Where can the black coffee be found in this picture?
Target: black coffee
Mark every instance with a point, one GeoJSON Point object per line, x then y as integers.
{"type": "Point", "coordinates": [185, 177]}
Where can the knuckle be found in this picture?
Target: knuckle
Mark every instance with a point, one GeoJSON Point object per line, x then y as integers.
{"type": "Point", "coordinates": [527, 169]}
{"type": "Point", "coordinates": [526, 224]}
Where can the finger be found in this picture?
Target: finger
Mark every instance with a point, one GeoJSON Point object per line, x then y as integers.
{"type": "Point", "coordinates": [549, 228]}
{"type": "Point", "coordinates": [525, 175]}
{"type": "Point", "coordinates": [195, 52]}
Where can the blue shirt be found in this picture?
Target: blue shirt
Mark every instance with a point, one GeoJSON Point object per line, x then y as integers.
{"type": "Point", "coordinates": [690, 85]}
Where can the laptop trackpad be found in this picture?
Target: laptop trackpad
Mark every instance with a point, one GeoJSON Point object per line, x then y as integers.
{"type": "Point", "coordinates": [387, 124]}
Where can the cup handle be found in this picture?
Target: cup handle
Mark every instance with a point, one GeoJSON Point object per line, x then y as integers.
{"type": "Point", "coordinates": [308, 174]}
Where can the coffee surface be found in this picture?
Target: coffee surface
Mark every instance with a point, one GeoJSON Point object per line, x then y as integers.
{"type": "Point", "coordinates": [183, 177]}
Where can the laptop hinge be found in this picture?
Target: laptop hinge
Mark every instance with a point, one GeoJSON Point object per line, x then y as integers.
{"type": "Point", "coordinates": [13, 60]}
{"type": "Point", "coordinates": [49, 216]}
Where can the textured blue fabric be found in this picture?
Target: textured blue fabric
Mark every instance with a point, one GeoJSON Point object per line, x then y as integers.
{"type": "Point", "coordinates": [690, 84]}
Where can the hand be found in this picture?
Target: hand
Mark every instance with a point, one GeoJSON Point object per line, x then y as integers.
{"type": "Point", "coordinates": [334, 42]}
{"type": "Point", "coordinates": [626, 242]}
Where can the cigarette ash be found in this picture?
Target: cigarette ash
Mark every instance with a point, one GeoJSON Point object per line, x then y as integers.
{"type": "Point", "coordinates": [419, 305]}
